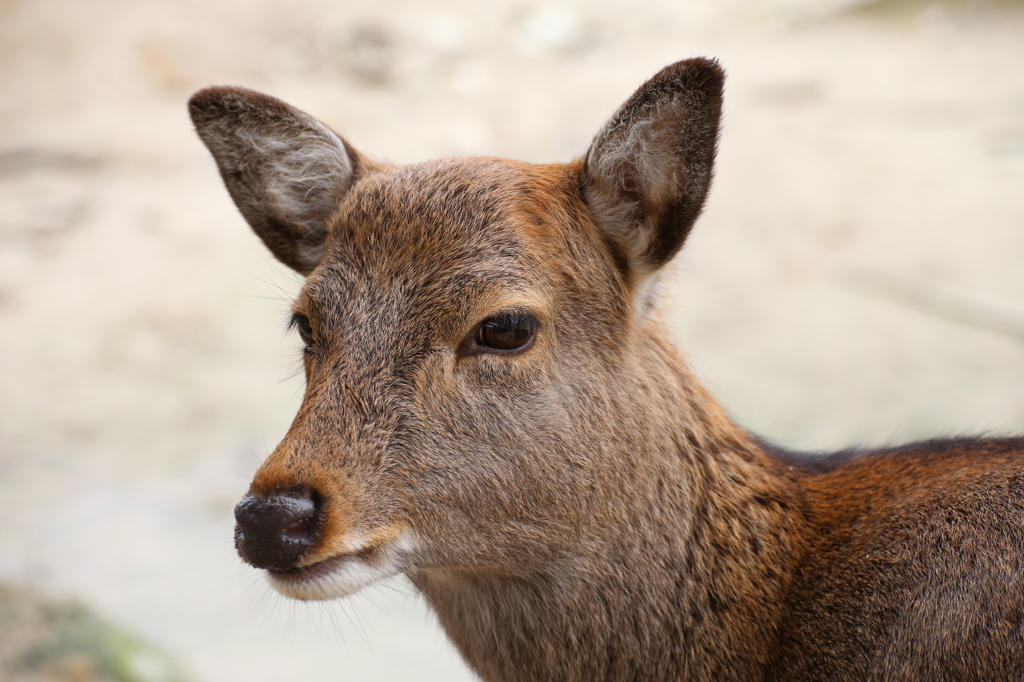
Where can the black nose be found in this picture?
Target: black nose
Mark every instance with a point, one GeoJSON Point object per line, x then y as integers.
{"type": "Point", "coordinates": [273, 532]}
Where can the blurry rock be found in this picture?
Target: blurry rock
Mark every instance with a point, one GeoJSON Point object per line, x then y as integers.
{"type": "Point", "coordinates": [365, 52]}
{"type": "Point", "coordinates": [42, 640]}
{"type": "Point", "coordinates": [1008, 150]}
{"type": "Point", "coordinates": [788, 94]}
{"type": "Point", "coordinates": [838, 9]}
{"type": "Point", "coordinates": [21, 160]}
{"type": "Point", "coordinates": [44, 196]}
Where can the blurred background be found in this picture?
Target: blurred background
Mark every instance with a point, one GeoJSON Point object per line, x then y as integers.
{"type": "Point", "coordinates": [857, 277]}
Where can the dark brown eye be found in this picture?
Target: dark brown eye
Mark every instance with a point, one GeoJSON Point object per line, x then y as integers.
{"type": "Point", "coordinates": [305, 329]}
{"type": "Point", "coordinates": [507, 332]}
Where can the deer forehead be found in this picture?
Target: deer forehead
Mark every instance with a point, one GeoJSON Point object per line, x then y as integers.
{"type": "Point", "coordinates": [463, 234]}
{"type": "Point", "coordinates": [442, 204]}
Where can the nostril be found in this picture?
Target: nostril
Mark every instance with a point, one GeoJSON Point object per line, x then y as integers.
{"type": "Point", "coordinates": [273, 532]}
{"type": "Point", "coordinates": [296, 530]}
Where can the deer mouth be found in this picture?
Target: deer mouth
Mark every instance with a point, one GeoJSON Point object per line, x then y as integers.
{"type": "Point", "coordinates": [342, 574]}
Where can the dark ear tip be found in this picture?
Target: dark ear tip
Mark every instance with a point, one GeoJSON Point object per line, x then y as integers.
{"type": "Point", "coordinates": [709, 65]}
{"type": "Point", "coordinates": [208, 103]}
{"type": "Point", "coordinates": [698, 73]}
{"type": "Point", "coordinates": [218, 101]}
{"type": "Point", "coordinates": [709, 69]}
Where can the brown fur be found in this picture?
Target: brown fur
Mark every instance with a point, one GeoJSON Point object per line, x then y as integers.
{"type": "Point", "coordinates": [583, 509]}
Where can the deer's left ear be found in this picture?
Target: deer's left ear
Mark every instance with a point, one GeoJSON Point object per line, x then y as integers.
{"type": "Point", "coordinates": [649, 169]}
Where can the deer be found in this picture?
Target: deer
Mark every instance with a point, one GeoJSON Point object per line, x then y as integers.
{"type": "Point", "coordinates": [494, 408]}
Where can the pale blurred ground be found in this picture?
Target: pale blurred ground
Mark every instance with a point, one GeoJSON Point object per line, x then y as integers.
{"type": "Point", "coordinates": [857, 276]}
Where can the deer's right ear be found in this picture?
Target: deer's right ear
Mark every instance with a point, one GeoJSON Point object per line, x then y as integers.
{"type": "Point", "coordinates": [286, 171]}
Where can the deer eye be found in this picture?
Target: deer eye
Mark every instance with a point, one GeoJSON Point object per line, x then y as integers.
{"type": "Point", "coordinates": [301, 323]}
{"type": "Point", "coordinates": [507, 332]}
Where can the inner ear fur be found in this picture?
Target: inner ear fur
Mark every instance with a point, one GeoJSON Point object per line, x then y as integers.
{"type": "Point", "coordinates": [286, 171]}
{"type": "Point", "coordinates": [648, 171]}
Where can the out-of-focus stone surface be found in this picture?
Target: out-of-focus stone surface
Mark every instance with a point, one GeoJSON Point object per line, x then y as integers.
{"type": "Point", "coordinates": [46, 640]}
{"type": "Point", "coordinates": [856, 277]}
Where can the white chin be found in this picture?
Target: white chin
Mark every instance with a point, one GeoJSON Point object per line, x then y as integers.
{"type": "Point", "coordinates": [338, 576]}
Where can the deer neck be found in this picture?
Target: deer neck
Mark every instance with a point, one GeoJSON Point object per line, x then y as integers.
{"type": "Point", "coordinates": [676, 570]}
